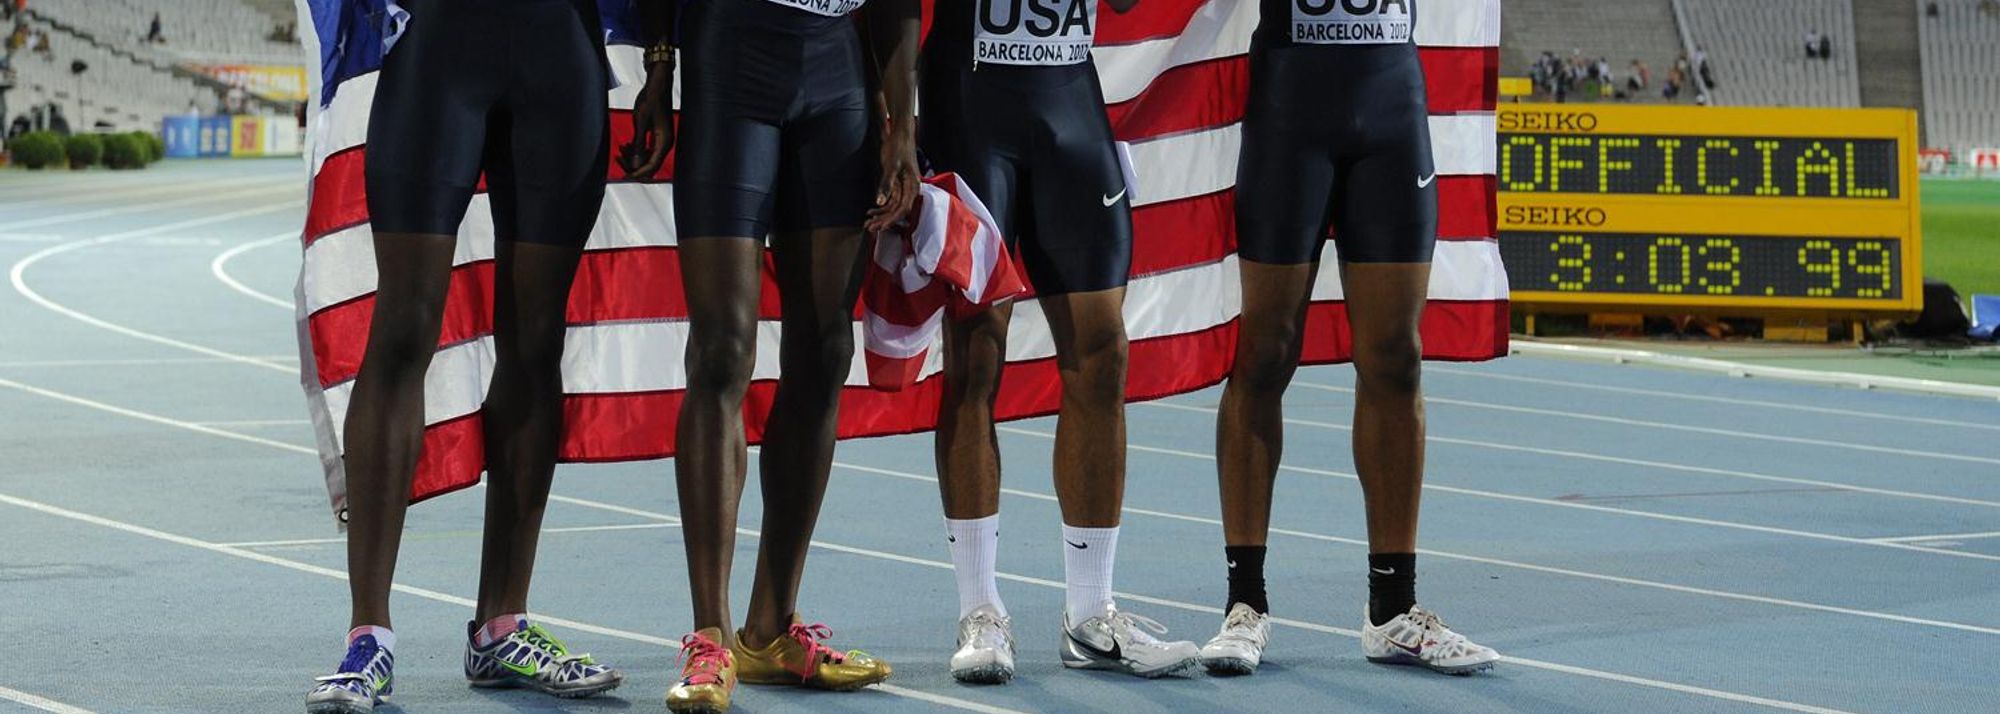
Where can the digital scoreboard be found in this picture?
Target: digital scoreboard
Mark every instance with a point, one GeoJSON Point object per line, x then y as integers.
{"type": "Point", "coordinates": [1743, 211]}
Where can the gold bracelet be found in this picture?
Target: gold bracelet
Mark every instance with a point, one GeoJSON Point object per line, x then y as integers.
{"type": "Point", "coordinates": [661, 52]}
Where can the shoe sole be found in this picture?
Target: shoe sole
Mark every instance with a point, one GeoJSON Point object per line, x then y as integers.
{"type": "Point", "coordinates": [1229, 666]}
{"type": "Point", "coordinates": [1122, 668]}
{"type": "Point", "coordinates": [1458, 671]}
{"type": "Point", "coordinates": [702, 708]}
{"type": "Point", "coordinates": [984, 674]}
{"type": "Point", "coordinates": [339, 708]}
{"type": "Point", "coordinates": [519, 682]}
{"type": "Point", "coordinates": [791, 682]}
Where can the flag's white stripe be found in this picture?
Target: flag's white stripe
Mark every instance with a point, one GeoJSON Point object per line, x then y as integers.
{"type": "Point", "coordinates": [633, 356]}
{"type": "Point", "coordinates": [889, 339]}
{"type": "Point", "coordinates": [1221, 29]}
{"type": "Point", "coordinates": [341, 266]}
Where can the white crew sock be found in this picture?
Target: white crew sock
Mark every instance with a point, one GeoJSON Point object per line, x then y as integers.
{"type": "Point", "coordinates": [383, 636]}
{"type": "Point", "coordinates": [1087, 557]}
{"type": "Point", "coordinates": [975, 546]}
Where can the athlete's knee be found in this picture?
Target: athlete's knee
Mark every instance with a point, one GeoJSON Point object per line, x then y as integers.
{"type": "Point", "coordinates": [1097, 363]}
{"type": "Point", "coordinates": [1390, 364]}
{"type": "Point", "coordinates": [402, 343]}
{"type": "Point", "coordinates": [721, 362]}
{"type": "Point", "coordinates": [1266, 360]}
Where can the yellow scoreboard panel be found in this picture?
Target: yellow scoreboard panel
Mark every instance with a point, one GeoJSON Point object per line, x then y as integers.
{"type": "Point", "coordinates": [1742, 211]}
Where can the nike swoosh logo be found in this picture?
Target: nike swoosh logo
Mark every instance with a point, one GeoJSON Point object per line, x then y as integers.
{"type": "Point", "coordinates": [1078, 546]}
{"type": "Point", "coordinates": [1115, 653]}
{"type": "Point", "coordinates": [525, 670]}
{"type": "Point", "coordinates": [1416, 651]}
{"type": "Point", "coordinates": [1426, 180]}
{"type": "Point", "coordinates": [1232, 565]}
{"type": "Point", "coordinates": [1109, 201]}
{"type": "Point", "coordinates": [1391, 571]}
{"type": "Point", "coordinates": [951, 538]}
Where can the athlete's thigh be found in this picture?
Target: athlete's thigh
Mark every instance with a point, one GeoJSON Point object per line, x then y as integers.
{"type": "Point", "coordinates": [826, 178]}
{"type": "Point", "coordinates": [559, 142]}
{"type": "Point", "coordinates": [427, 128]}
{"type": "Point", "coordinates": [725, 169]}
{"type": "Point", "coordinates": [1385, 203]}
{"type": "Point", "coordinates": [1082, 218]}
{"type": "Point", "coordinates": [1284, 174]}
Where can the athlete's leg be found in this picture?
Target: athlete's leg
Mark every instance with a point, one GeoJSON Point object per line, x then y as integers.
{"type": "Point", "coordinates": [968, 450]}
{"type": "Point", "coordinates": [1091, 350]}
{"type": "Point", "coordinates": [819, 278]}
{"type": "Point", "coordinates": [1384, 304]}
{"type": "Point", "coordinates": [1250, 428]}
{"type": "Point", "coordinates": [385, 419]}
{"type": "Point", "coordinates": [709, 467]}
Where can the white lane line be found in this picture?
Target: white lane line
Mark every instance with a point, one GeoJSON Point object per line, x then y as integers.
{"type": "Point", "coordinates": [42, 703]}
{"type": "Point", "coordinates": [127, 192]}
{"type": "Point", "coordinates": [96, 186]}
{"type": "Point", "coordinates": [1564, 504]}
{"type": "Point", "coordinates": [204, 197]}
{"type": "Point", "coordinates": [1308, 535]}
{"type": "Point", "coordinates": [1745, 369]}
{"type": "Point", "coordinates": [143, 362]}
{"type": "Point", "coordinates": [1428, 369]}
{"type": "Point", "coordinates": [220, 268]}
{"type": "Point", "coordinates": [545, 531]}
{"type": "Point", "coordinates": [1712, 431]}
{"type": "Point", "coordinates": [427, 594]}
{"type": "Point", "coordinates": [1941, 536]}
{"type": "Point", "coordinates": [253, 555]}
{"type": "Point", "coordinates": [19, 277]}
{"type": "Point", "coordinates": [1606, 458]}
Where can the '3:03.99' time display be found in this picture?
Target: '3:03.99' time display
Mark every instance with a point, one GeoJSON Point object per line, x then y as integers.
{"type": "Point", "coordinates": [1704, 265]}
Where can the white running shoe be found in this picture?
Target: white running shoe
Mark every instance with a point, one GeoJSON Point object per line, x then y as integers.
{"type": "Point", "coordinates": [1419, 638]}
{"type": "Point", "coordinates": [1239, 647]}
{"type": "Point", "coordinates": [1119, 642]}
{"type": "Point", "coordinates": [985, 648]}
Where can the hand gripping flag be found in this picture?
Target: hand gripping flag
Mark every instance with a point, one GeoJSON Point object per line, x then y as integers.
{"type": "Point", "coordinates": [948, 259]}
{"type": "Point", "coordinates": [1174, 74]}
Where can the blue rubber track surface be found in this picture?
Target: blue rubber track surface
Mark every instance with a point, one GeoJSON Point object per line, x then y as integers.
{"type": "Point", "coordinates": [1632, 539]}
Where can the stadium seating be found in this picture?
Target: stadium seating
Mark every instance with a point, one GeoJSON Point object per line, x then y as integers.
{"type": "Point", "coordinates": [113, 90]}
{"type": "Point", "coordinates": [1616, 31]}
{"type": "Point", "coordinates": [1961, 55]}
{"type": "Point", "coordinates": [1757, 50]}
{"type": "Point", "coordinates": [217, 31]}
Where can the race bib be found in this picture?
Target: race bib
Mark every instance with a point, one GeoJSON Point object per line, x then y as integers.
{"type": "Point", "coordinates": [1033, 32]}
{"type": "Point", "coordinates": [829, 8]}
{"type": "Point", "coordinates": [1351, 22]}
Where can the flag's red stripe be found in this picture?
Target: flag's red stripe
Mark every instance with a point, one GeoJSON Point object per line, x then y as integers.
{"type": "Point", "coordinates": [641, 425]}
{"type": "Point", "coordinates": [340, 332]}
{"type": "Point", "coordinates": [1205, 95]}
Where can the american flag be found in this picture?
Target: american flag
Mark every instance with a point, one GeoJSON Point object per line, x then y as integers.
{"type": "Point", "coordinates": [1174, 74]}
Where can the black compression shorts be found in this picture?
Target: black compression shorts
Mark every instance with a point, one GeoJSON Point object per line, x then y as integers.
{"type": "Point", "coordinates": [514, 88]}
{"type": "Point", "coordinates": [776, 128]}
{"type": "Point", "coordinates": [1335, 136]}
{"type": "Point", "coordinates": [1034, 144]}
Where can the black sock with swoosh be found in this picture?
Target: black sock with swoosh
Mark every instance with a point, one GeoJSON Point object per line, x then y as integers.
{"type": "Point", "coordinates": [1246, 577]}
{"type": "Point", "coordinates": [1392, 585]}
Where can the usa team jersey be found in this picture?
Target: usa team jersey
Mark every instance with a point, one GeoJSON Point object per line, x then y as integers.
{"type": "Point", "coordinates": [829, 8]}
{"type": "Point", "coordinates": [1047, 33]}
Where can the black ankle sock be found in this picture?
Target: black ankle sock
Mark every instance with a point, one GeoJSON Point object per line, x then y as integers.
{"type": "Point", "coordinates": [1392, 585]}
{"type": "Point", "coordinates": [1246, 576]}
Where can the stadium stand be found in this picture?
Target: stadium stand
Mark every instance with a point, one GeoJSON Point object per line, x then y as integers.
{"type": "Point", "coordinates": [1619, 32]}
{"type": "Point", "coordinates": [231, 31]}
{"type": "Point", "coordinates": [1961, 58]}
{"type": "Point", "coordinates": [1757, 51]}
{"type": "Point", "coordinates": [113, 90]}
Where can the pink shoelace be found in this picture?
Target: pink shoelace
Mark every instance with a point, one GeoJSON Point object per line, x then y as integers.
{"type": "Point", "coordinates": [700, 653]}
{"type": "Point", "coordinates": [808, 636]}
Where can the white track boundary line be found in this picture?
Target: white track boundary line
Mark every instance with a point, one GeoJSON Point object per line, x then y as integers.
{"type": "Point", "coordinates": [121, 193]}
{"type": "Point", "coordinates": [1710, 431]}
{"type": "Point", "coordinates": [427, 594]}
{"type": "Point", "coordinates": [1563, 504]}
{"type": "Point", "coordinates": [98, 187]}
{"type": "Point", "coordinates": [1607, 458]}
{"type": "Point", "coordinates": [19, 278]}
{"type": "Point", "coordinates": [1742, 369]}
{"type": "Point", "coordinates": [1308, 535]}
{"type": "Point", "coordinates": [204, 197]}
{"type": "Point", "coordinates": [1732, 401]}
{"type": "Point", "coordinates": [42, 703]}
{"type": "Point", "coordinates": [1941, 536]}
{"type": "Point", "coordinates": [585, 627]}
{"type": "Point", "coordinates": [545, 531]}
{"type": "Point", "coordinates": [220, 268]}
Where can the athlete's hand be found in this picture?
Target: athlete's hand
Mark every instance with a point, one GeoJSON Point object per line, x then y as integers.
{"type": "Point", "coordinates": [652, 124]}
{"type": "Point", "coordinates": [898, 191]}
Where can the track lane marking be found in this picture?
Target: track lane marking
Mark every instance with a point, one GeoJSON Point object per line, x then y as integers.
{"type": "Point", "coordinates": [219, 267]}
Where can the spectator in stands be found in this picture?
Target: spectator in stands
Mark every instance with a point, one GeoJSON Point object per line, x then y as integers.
{"type": "Point", "coordinates": [1812, 44]}
{"type": "Point", "coordinates": [237, 100]}
{"type": "Point", "coordinates": [57, 122]}
{"type": "Point", "coordinates": [1638, 77]}
{"type": "Point", "coordinates": [1675, 78]}
{"type": "Point", "coordinates": [1990, 7]}
{"type": "Point", "coordinates": [1825, 47]}
{"type": "Point", "coordinates": [1701, 69]}
{"type": "Point", "coordinates": [42, 45]}
{"type": "Point", "coordinates": [6, 83]}
{"type": "Point", "coordinates": [153, 32]}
